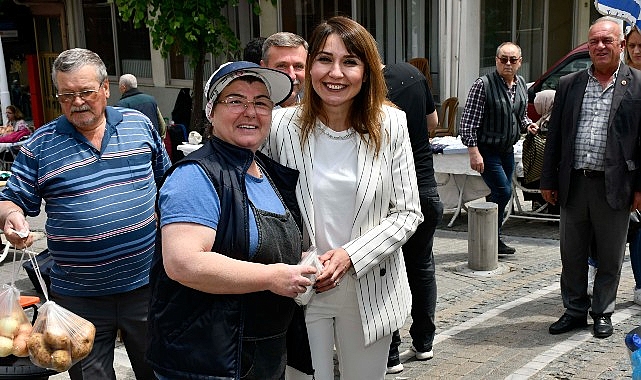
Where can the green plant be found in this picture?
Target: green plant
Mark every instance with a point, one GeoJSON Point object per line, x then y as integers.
{"type": "Point", "coordinates": [193, 28]}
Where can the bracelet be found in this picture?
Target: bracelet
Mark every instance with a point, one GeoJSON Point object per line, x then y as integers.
{"type": "Point", "coordinates": [12, 211]}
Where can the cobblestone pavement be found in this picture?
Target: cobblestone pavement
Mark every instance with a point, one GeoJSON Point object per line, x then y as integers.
{"type": "Point", "coordinates": [493, 325]}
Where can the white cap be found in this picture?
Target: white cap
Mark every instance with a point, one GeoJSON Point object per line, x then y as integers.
{"type": "Point", "coordinates": [278, 84]}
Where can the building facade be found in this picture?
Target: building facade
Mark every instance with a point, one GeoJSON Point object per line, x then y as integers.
{"type": "Point", "coordinates": [459, 37]}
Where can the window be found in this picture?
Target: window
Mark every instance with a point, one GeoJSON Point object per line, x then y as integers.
{"type": "Point", "coordinates": [511, 20]}
{"type": "Point", "coordinates": [401, 32]}
{"type": "Point", "coordinates": [123, 48]}
{"type": "Point", "coordinates": [179, 66]}
{"type": "Point", "coordinates": [241, 20]}
{"type": "Point", "coordinates": [301, 17]}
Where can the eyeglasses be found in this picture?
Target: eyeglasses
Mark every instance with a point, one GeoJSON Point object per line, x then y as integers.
{"type": "Point", "coordinates": [237, 105]}
{"type": "Point", "coordinates": [86, 95]}
{"type": "Point", "coordinates": [512, 60]}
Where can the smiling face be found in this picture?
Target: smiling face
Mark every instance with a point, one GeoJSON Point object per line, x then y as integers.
{"type": "Point", "coordinates": [291, 61]}
{"type": "Point", "coordinates": [633, 46]}
{"type": "Point", "coordinates": [605, 46]}
{"type": "Point", "coordinates": [337, 76]}
{"type": "Point", "coordinates": [247, 129]}
{"type": "Point", "coordinates": [85, 114]}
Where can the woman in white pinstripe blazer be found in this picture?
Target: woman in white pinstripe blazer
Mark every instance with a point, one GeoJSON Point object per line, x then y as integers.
{"type": "Point", "coordinates": [358, 197]}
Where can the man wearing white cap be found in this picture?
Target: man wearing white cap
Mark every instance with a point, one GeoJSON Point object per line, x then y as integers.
{"type": "Point", "coordinates": [224, 276]}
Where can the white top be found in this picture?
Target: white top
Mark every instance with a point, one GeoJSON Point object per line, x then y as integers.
{"type": "Point", "coordinates": [334, 182]}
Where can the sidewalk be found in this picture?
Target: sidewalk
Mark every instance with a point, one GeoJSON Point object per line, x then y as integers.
{"type": "Point", "coordinates": [492, 325]}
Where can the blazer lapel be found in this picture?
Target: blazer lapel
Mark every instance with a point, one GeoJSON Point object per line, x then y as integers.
{"type": "Point", "coordinates": [623, 81]}
{"type": "Point", "coordinates": [576, 93]}
{"type": "Point", "coordinates": [306, 179]}
{"type": "Point", "coordinates": [368, 176]}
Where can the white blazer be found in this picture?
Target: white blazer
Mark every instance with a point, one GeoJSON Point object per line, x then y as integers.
{"type": "Point", "coordinates": [387, 214]}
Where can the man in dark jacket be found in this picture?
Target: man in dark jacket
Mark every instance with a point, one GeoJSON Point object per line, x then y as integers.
{"type": "Point", "coordinates": [133, 98]}
{"type": "Point", "coordinates": [591, 170]}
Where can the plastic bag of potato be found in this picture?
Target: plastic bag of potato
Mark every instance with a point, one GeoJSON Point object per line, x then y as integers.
{"type": "Point", "coordinates": [60, 338]}
{"type": "Point", "coordinates": [14, 324]}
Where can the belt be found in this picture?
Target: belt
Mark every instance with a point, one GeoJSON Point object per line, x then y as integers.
{"type": "Point", "coordinates": [589, 173]}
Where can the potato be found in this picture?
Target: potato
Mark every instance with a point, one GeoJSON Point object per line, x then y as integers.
{"type": "Point", "coordinates": [61, 360]}
{"type": "Point", "coordinates": [81, 348]}
{"type": "Point", "coordinates": [38, 351]}
{"type": "Point", "coordinates": [20, 348]}
{"type": "Point", "coordinates": [6, 346]}
{"type": "Point", "coordinates": [19, 315]}
{"type": "Point", "coordinates": [8, 326]}
{"type": "Point", "coordinates": [57, 339]}
{"type": "Point", "coordinates": [25, 329]}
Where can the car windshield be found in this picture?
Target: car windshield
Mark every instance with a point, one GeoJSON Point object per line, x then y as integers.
{"type": "Point", "coordinates": [552, 82]}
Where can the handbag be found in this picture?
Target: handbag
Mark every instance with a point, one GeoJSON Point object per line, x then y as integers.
{"type": "Point", "coordinates": [533, 151]}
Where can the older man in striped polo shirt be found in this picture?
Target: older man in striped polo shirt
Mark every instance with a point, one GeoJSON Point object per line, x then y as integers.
{"type": "Point", "coordinates": [96, 168]}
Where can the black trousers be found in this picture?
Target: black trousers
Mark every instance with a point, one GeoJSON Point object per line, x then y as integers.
{"type": "Point", "coordinates": [419, 263]}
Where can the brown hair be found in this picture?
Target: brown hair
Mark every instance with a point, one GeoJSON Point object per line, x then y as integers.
{"type": "Point", "coordinates": [17, 114]}
{"type": "Point", "coordinates": [628, 61]}
{"type": "Point", "coordinates": [424, 66]}
{"type": "Point", "coordinates": [365, 115]}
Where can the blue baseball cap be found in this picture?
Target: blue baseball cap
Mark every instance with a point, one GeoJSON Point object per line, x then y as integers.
{"type": "Point", "coordinates": [278, 84]}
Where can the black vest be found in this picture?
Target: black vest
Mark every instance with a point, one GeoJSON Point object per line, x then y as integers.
{"type": "Point", "coordinates": [186, 325]}
{"type": "Point", "coordinates": [502, 118]}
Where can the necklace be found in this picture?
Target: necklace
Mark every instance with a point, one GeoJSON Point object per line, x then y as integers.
{"type": "Point", "coordinates": [343, 135]}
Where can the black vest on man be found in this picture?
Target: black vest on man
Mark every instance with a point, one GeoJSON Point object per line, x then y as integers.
{"type": "Point", "coordinates": [502, 118]}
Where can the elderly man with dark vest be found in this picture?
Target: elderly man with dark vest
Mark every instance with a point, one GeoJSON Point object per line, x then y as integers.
{"type": "Point", "coordinates": [493, 119]}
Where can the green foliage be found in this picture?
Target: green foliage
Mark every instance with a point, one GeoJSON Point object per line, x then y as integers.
{"type": "Point", "coordinates": [191, 27]}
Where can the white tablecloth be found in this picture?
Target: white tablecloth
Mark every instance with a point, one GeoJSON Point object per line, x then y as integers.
{"type": "Point", "coordinates": [457, 182]}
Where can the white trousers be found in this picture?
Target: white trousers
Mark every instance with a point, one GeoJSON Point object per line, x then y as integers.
{"type": "Point", "coordinates": [333, 320]}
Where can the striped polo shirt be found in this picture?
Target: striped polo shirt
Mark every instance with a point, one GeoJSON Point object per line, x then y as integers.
{"type": "Point", "coordinates": [100, 224]}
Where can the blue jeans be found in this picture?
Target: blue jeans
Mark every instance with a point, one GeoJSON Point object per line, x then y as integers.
{"type": "Point", "coordinates": [635, 258]}
{"type": "Point", "coordinates": [497, 174]}
{"type": "Point", "coordinates": [419, 263]}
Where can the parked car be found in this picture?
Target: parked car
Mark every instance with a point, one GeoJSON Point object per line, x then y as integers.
{"type": "Point", "coordinates": [575, 60]}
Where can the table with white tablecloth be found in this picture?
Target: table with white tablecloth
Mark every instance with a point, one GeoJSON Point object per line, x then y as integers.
{"type": "Point", "coordinates": [457, 182]}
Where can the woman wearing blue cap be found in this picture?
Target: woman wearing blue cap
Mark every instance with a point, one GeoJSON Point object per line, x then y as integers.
{"type": "Point", "coordinates": [224, 273]}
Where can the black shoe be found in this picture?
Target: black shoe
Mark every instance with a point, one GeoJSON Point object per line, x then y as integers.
{"type": "Point", "coordinates": [602, 326]}
{"type": "Point", "coordinates": [567, 323]}
{"type": "Point", "coordinates": [504, 249]}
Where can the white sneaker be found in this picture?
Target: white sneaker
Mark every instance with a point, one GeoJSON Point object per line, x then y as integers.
{"type": "Point", "coordinates": [637, 296]}
{"type": "Point", "coordinates": [423, 355]}
{"type": "Point", "coordinates": [395, 369]}
{"type": "Point", "coordinates": [591, 276]}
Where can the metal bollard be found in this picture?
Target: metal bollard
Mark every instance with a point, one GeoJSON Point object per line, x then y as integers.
{"type": "Point", "coordinates": [482, 236]}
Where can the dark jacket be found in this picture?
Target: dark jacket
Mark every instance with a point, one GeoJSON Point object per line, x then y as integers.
{"type": "Point", "coordinates": [137, 100]}
{"type": "Point", "coordinates": [197, 335]}
{"type": "Point", "coordinates": [622, 150]}
{"type": "Point", "coordinates": [501, 127]}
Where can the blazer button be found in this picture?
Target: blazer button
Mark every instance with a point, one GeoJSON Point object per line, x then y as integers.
{"type": "Point", "coordinates": [383, 271]}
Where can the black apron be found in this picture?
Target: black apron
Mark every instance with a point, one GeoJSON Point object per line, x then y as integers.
{"type": "Point", "coordinates": [268, 315]}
